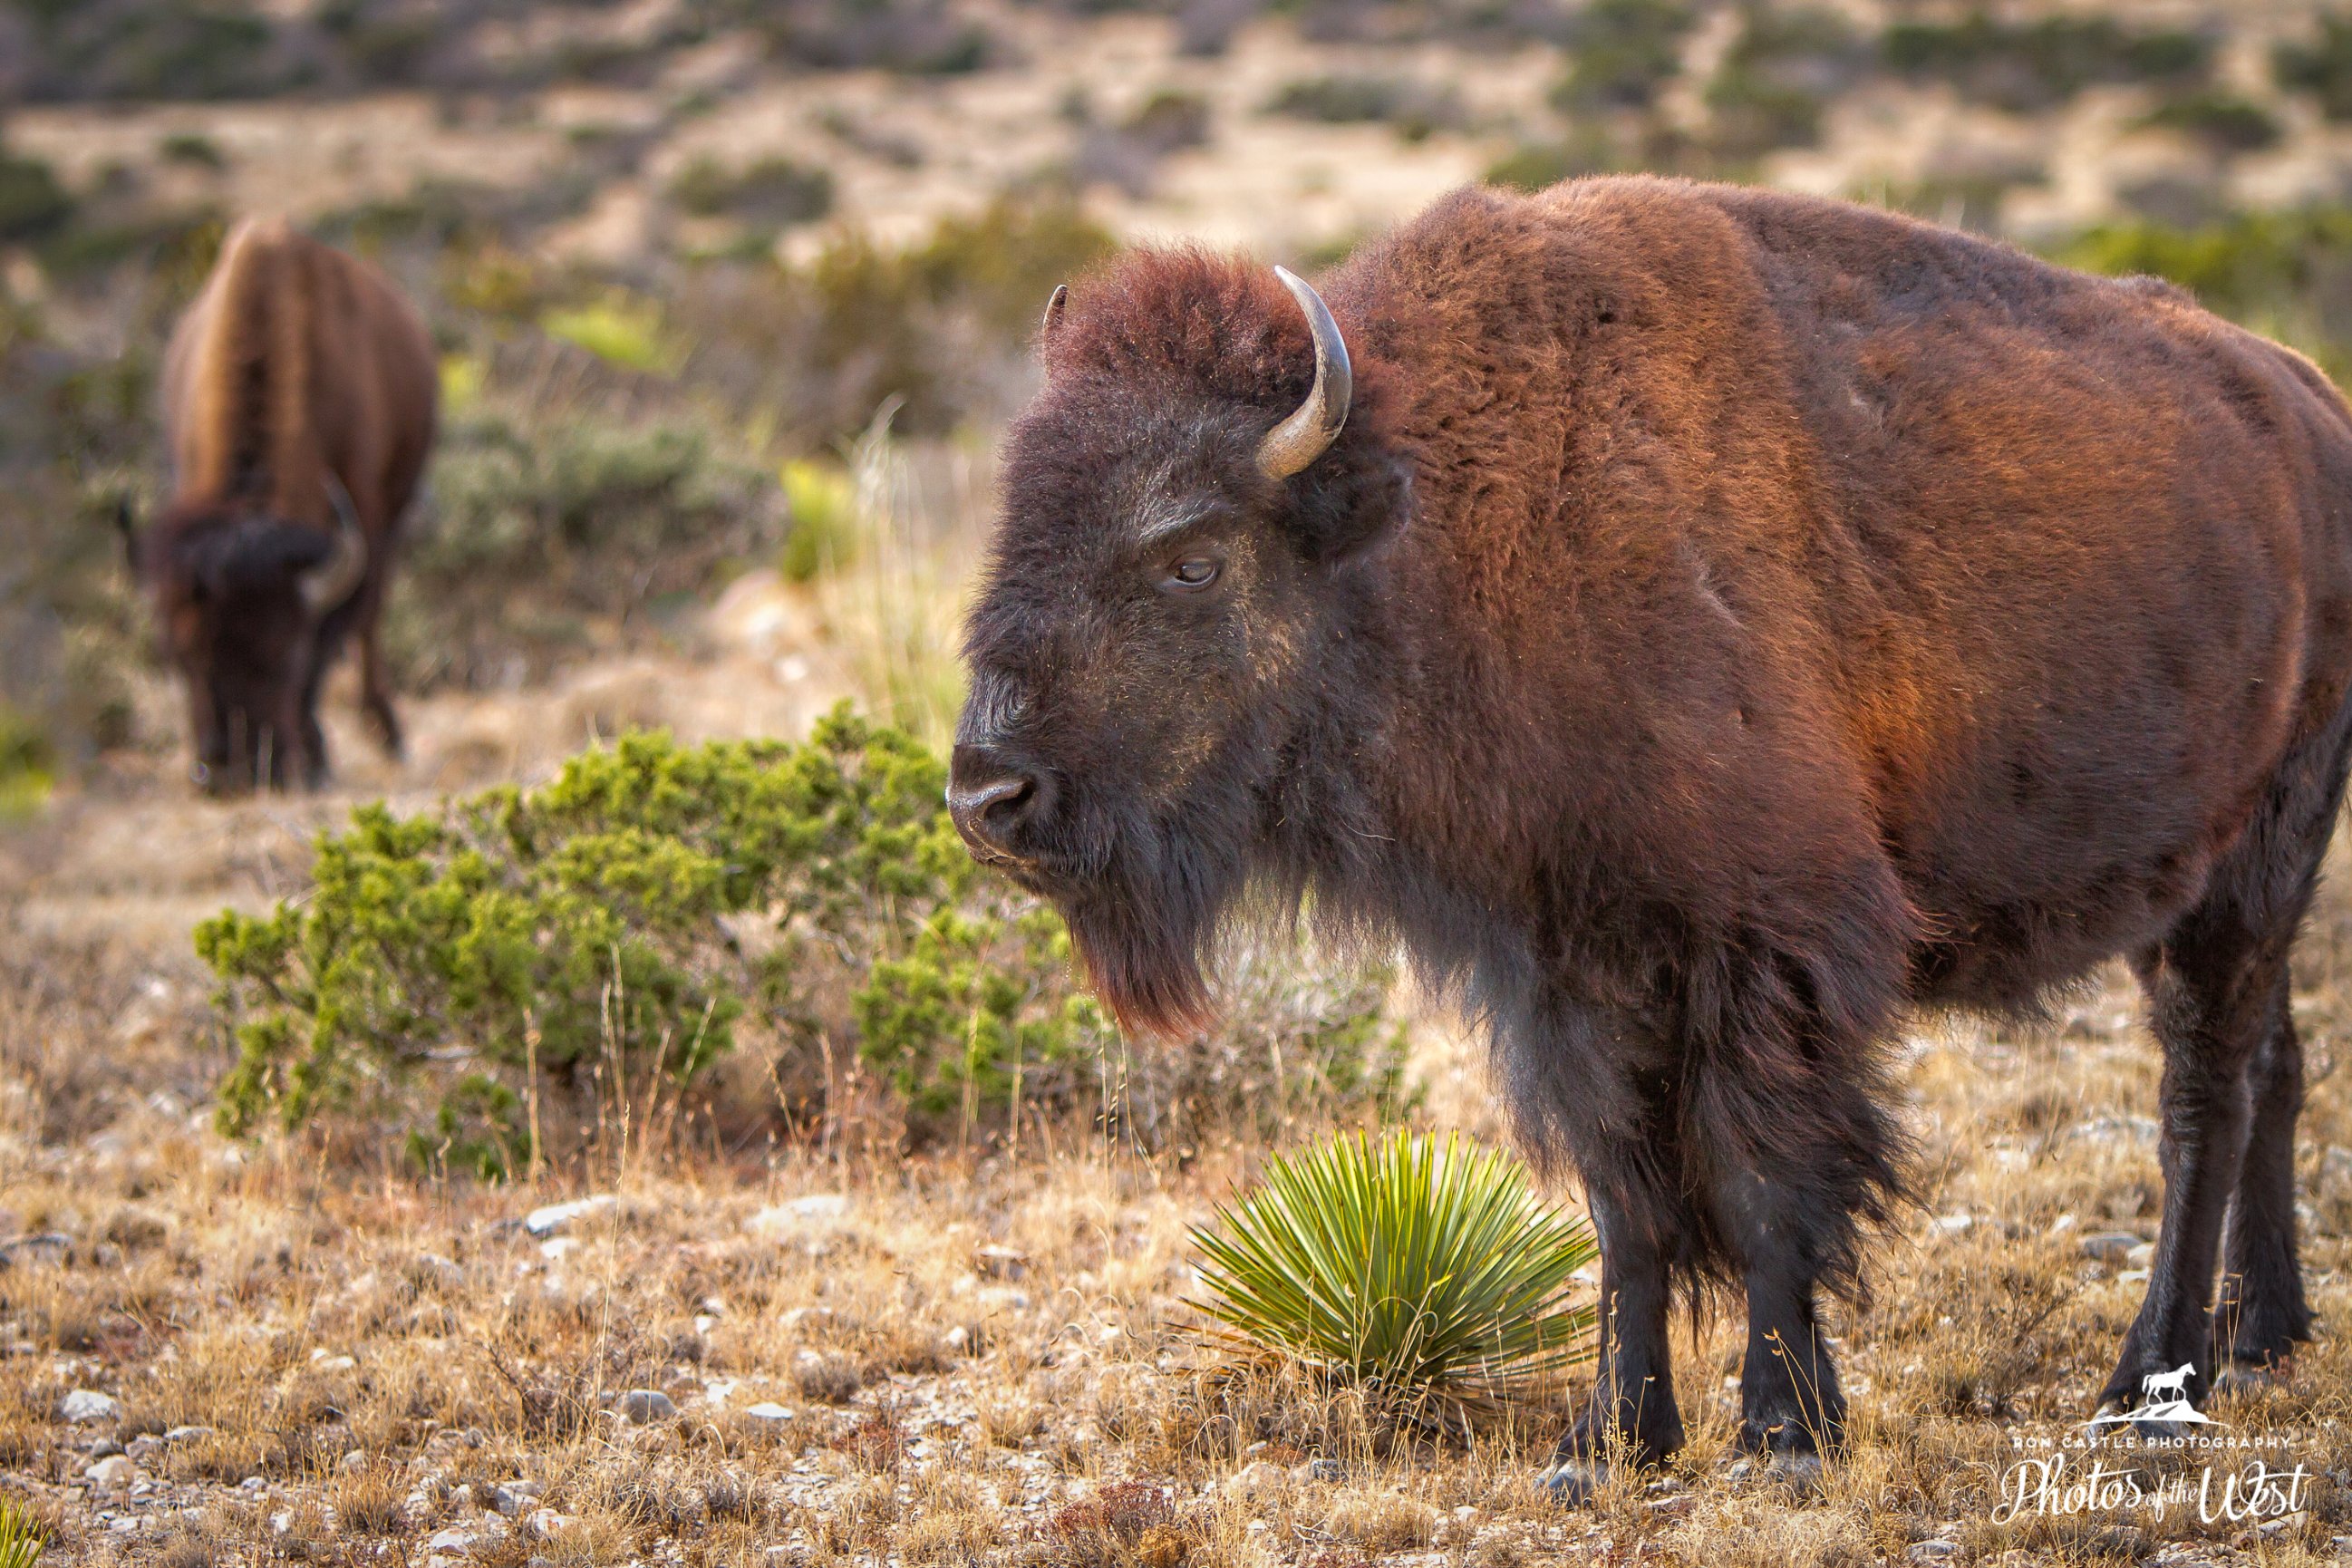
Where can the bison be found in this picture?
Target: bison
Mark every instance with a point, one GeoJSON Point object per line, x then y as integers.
{"type": "Point", "coordinates": [298, 396]}
{"type": "Point", "coordinates": [1704, 626]}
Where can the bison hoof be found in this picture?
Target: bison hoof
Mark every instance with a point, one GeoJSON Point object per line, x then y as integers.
{"type": "Point", "coordinates": [1573, 1483]}
{"type": "Point", "coordinates": [2241, 1377]}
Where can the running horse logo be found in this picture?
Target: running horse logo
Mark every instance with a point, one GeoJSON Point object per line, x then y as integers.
{"type": "Point", "coordinates": [2164, 1398]}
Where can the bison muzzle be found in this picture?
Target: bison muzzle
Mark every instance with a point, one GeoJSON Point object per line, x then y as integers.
{"type": "Point", "coordinates": [1704, 626]}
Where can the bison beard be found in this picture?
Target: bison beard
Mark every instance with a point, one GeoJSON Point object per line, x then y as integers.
{"type": "Point", "coordinates": [1724, 624]}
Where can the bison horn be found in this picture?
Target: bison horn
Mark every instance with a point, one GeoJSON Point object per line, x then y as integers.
{"type": "Point", "coordinates": [1299, 440]}
{"type": "Point", "coordinates": [1053, 308]}
{"type": "Point", "coordinates": [329, 582]}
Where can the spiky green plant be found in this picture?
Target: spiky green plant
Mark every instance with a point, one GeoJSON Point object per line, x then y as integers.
{"type": "Point", "coordinates": [22, 1539]}
{"type": "Point", "coordinates": [1420, 1267]}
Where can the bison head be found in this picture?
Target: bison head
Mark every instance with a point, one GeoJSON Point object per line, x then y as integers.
{"type": "Point", "coordinates": [240, 598]}
{"type": "Point", "coordinates": [1190, 529]}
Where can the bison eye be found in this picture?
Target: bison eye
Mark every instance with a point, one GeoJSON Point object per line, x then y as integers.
{"type": "Point", "coordinates": [1193, 573]}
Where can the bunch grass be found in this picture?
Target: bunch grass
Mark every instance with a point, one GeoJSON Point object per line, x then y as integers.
{"type": "Point", "coordinates": [1428, 1271]}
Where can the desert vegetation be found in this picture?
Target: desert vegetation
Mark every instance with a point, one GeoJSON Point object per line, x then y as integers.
{"type": "Point", "coordinates": [631, 1129]}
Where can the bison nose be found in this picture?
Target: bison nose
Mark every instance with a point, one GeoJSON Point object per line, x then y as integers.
{"type": "Point", "coordinates": [989, 797]}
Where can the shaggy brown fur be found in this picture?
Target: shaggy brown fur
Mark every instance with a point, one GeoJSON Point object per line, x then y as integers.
{"type": "Point", "coordinates": [1727, 621]}
{"type": "Point", "coordinates": [296, 362]}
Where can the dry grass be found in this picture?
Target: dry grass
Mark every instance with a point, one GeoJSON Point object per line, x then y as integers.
{"type": "Point", "coordinates": [367, 1362]}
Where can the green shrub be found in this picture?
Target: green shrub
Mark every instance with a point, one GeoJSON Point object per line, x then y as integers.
{"type": "Point", "coordinates": [2322, 67]}
{"type": "Point", "coordinates": [538, 528]}
{"type": "Point", "coordinates": [26, 765]}
{"type": "Point", "coordinates": [599, 944]}
{"type": "Point", "coordinates": [32, 203]}
{"type": "Point", "coordinates": [2027, 66]}
{"type": "Point", "coordinates": [773, 192]}
{"type": "Point", "coordinates": [1426, 1271]}
{"type": "Point", "coordinates": [193, 149]}
{"type": "Point", "coordinates": [1622, 52]}
{"type": "Point", "coordinates": [1774, 80]}
{"type": "Point", "coordinates": [823, 503]}
{"type": "Point", "coordinates": [1414, 110]}
{"type": "Point", "coordinates": [617, 329]}
{"type": "Point", "coordinates": [1532, 165]}
{"type": "Point", "coordinates": [2225, 123]}
{"type": "Point", "coordinates": [575, 939]}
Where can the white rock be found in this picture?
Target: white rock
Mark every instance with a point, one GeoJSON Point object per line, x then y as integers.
{"type": "Point", "coordinates": [546, 1523]}
{"type": "Point", "coordinates": [355, 1461]}
{"type": "Point", "coordinates": [186, 1434]}
{"type": "Point", "coordinates": [555, 1251]}
{"type": "Point", "coordinates": [2140, 1257]}
{"type": "Point", "coordinates": [553, 1218]}
{"type": "Point", "coordinates": [767, 1412]}
{"type": "Point", "coordinates": [1951, 1224]}
{"type": "Point", "coordinates": [114, 1471]}
{"type": "Point", "coordinates": [810, 1218]}
{"type": "Point", "coordinates": [87, 1404]}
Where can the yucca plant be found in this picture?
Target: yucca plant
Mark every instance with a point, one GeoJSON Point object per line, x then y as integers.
{"type": "Point", "coordinates": [1423, 1269]}
{"type": "Point", "coordinates": [22, 1539]}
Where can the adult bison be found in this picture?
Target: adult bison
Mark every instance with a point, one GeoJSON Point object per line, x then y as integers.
{"type": "Point", "coordinates": [298, 405]}
{"type": "Point", "coordinates": [1704, 623]}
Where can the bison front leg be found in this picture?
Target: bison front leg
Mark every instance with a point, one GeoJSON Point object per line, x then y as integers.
{"type": "Point", "coordinates": [1792, 1410]}
{"type": "Point", "coordinates": [1632, 1418]}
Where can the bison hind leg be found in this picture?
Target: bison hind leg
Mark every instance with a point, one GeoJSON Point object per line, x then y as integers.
{"type": "Point", "coordinates": [2218, 992]}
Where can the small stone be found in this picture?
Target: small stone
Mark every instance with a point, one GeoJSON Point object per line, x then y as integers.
{"type": "Point", "coordinates": [1927, 1554]}
{"type": "Point", "coordinates": [546, 1524]}
{"type": "Point", "coordinates": [553, 1218]}
{"type": "Point", "coordinates": [1951, 1224]}
{"type": "Point", "coordinates": [515, 1498]}
{"type": "Point", "coordinates": [2109, 1245]}
{"type": "Point", "coordinates": [355, 1461]}
{"type": "Point", "coordinates": [143, 1449]}
{"type": "Point", "coordinates": [641, 1405]}
{"type": "Point", "coordinates": [1325, 1470]}
{"type": "Point", "coordinates": [253, 1485]}
{"type": "Point", "coordinates": [447, 1548]}
{"type": "Point", "coordinates": [2284, 1524]}
{"type": "Point", "coordinates": [186, 1434]}
{"type": "Point", "coordinates": [115, 1470]}
{"type": "Point", "coordinates": [954, 1340]}
{"type": "Point", "coordinates": [87, 1404]}
{"type": "Point", "coordinates": [2140, 1257]}
{"type": "Point", "coordinates": [767, 1413]}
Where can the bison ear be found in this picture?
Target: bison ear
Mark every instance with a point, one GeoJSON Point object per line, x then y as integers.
{"type": "Point", "coordinates": [1357, 509]}
{"type": "Point", "coordinates": [1053, 308]}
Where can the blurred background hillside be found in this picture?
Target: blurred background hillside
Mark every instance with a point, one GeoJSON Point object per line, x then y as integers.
{"type": "Point", "coordinates": [732, 293]}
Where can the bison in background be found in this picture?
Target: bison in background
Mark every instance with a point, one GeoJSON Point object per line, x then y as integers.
{"type": "Point", "coordinates": [298, 396]}
{"type": "Point", "coordinates": [1704, 626]}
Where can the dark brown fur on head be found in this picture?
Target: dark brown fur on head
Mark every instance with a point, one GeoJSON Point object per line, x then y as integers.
{"type": "Point", "coordinates": [1159, 722]}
